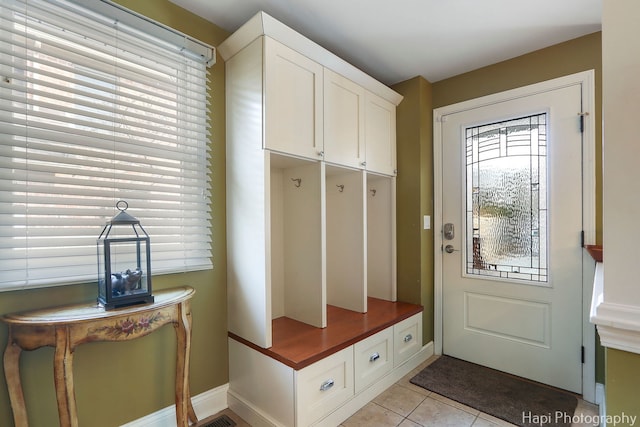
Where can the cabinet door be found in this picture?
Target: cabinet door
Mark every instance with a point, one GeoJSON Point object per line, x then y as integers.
{"type": "Point", "coordinates": [380, 135]}
{"type": "Point", "coordinates": [343, 121]}
{"type": "Point", "coordinates": [293, 102]}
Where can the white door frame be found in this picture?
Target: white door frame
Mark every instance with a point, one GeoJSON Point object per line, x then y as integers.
{"type": "Point", "coordinates": [587, 80]}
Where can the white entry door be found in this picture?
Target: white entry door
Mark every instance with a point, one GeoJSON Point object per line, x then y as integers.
{"type": "Point", "coordinates": [511, 241]}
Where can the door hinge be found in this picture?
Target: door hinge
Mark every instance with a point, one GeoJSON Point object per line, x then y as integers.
{"type": "Point", "coordinates": [582, 354]}
{"type": "Point", "coordinates": [582, 239]}
{"type": "Point", "coordinates": [581, 121]}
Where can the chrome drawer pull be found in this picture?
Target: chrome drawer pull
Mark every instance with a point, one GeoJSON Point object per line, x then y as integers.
{"type": "Point", "coordinates": [375, 356]}
{"type": "Point", "coordinates": [326, 385]}
{"type": "Point", "coordinates": [408, 337]}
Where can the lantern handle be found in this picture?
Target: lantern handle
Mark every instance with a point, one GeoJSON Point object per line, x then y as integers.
{"type": "Point", "coordinates": [118, 205]}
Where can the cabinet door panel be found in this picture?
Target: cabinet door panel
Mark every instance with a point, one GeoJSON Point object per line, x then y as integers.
{"type": "Point", "coordinates": [380, 132]}
{"type": "Point", "coordinates": [343, 121]}
{"type": "Point", "coordinates": [293, 102]}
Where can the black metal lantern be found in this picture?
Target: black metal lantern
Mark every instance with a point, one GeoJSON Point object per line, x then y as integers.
{"type": "Point", "coordinates": [124, 261]}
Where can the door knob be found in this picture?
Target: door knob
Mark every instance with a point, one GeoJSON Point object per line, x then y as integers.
{"type": "Point", "coordinates": [450, 249]}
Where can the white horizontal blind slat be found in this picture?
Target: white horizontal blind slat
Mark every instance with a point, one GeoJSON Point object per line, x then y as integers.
{"type": "Point", "coordinates": [61, 138]}
{"type": "Point", "coordinates": [90, 115]}
{"type": "Point", "coordinates": [89, 104]}
{"type": "Point", "coordinates": [83, 23]}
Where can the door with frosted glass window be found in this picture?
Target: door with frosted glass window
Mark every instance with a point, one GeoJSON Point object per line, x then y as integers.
{"type": "Point", "coordinates": [512, 257]}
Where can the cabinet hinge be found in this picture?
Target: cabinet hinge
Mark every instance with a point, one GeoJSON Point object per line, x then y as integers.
{"type": "Point", "coordinates": [582, 354]}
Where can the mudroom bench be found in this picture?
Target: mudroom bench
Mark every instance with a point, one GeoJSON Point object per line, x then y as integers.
{"type": "Point", "coordinates": [321, 376]}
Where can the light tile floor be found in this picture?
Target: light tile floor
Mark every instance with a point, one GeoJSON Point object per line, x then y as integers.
{"type": "Point", "coordinates": [407, 405]}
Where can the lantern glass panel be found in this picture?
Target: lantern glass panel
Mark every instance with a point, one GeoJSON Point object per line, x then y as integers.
{"type": "Point", "coordinates": [102, 282]}
{"type": "Point", "coordinates": [128, 267]}
{"type": "Point", "coordinates": [124, 265]}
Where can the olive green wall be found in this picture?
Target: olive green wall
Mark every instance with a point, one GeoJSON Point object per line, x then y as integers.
{"type": "Point", "coordinates": [623, 377]}
{"type": "Point", "coordinates": [119, 382]}
{"type": "Point", "coordinates": [573, 56]}
{"type": "Point", "coordinates": [414, 198]}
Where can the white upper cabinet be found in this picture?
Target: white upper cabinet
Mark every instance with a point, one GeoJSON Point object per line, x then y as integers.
{"type": "Point", "coordinates": [380, 135]}
{"type": "Point", "coordinates": [343, 121]}
{"type": "Point", "coordinates": [293, 102]}
{"type": "Point", "coordinates": [317, 105]}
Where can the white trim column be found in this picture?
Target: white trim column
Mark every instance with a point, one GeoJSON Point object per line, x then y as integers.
{"type": "Point", "coordinates": [616, 301]}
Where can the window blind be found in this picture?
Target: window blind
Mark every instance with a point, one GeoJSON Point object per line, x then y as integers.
{"type": "Point", "coordinates": [91, 114]}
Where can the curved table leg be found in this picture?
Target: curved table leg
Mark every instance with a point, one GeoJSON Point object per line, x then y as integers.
{"type": "Point", "coordinates": [14, 385]}
{"type": "Point", "coordinates": [63, 376]}
{"type": "Point", "coordinates": [184, 408]}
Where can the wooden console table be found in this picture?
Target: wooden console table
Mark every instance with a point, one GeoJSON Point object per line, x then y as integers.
{"type": "Point", "coordinates": [64, 328]}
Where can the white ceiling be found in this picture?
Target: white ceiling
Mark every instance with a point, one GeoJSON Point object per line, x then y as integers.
{"type": "Point", "coordinates": [395, 40]}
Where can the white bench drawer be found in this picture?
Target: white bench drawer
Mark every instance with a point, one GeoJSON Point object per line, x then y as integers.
{"type": "Point", "coordinates": [373, 358]}
{"type": "Point", "coordinates": [324, 386]}
{"type": "Point", "coordinates": [407, 338]}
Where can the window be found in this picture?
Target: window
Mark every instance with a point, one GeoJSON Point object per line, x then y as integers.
{"type": "Point", "coordinates": [507, 199]}
{"type": "Point", "coordinates": [92, 111]}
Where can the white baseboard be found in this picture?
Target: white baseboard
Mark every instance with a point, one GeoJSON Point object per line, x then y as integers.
{"type": "Point", "coordinates": [258, 418]}
{"type": "Point", "coordinates": [250, 413]}
{"type": "Point", "coordinates": [205, 405]}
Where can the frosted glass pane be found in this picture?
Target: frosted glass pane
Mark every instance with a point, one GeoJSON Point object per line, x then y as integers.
{"type": "Point", "coordinates": [506, 199]}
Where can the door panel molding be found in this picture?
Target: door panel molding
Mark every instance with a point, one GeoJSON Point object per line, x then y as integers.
{"type": "Point", "coordinates": [517, 310]}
